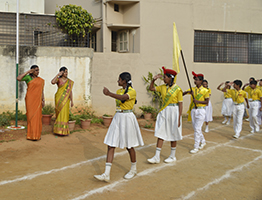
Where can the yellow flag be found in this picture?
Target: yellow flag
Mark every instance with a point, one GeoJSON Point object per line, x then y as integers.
{"type": "Point", "coordinates": [176, 49]}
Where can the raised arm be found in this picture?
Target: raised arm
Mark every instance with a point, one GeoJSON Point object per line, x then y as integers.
{"type": "Point", "coordinates": [225, 88]}
{"type": "Point", "coordinates": [55, 79]}
{"type": "Point", "coordinates": [115, 96]}
{"type": "Point", "coordinates": [218, 87]}
{"type": "Point", "coordinates": [21, 76]}
{"type": "Point", "coordinates": [152, 84]}
{"type": "Point", "coordinates": [243, 88]}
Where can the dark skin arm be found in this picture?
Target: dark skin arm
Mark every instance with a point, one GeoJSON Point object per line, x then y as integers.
{"type": "Point", "coordinates": [115, 96]}
{"type": "Point", "coordinates": [247, 103]}
{"type": "Point", "coordinates": [180, 106]}
{"type": "Point", "coordinates": [152, 87]}
{"type": "Point", "coordinates": [218, 87]}
{"type": "Point", "coordinates": [243, 88]}
{"type": "Point", "coordinates": [225, 88]}
{"type": "Point", "coordinates": [202, 102]}
{"type": "Point", "coordinates": [21, 76]}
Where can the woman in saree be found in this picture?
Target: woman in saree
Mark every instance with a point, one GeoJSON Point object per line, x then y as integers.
{"type": "Point", "coordinates": [34, 101]}
{"type": "Point", "coordinates": [63, 97]}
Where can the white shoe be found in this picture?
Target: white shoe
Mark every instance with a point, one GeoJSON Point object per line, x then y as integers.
{"type": "Point", "coordinates": [206, 130]}
{"type": "Point", "coordinates": [228, 122]}
{"type": "Point", "coordinates": [252, 131]}
{"type": "Point", "coordinates": [130, 174]}
{"type": "Point", "coordinates": [236, 136]}
{"type": "Point", "coordinates": [247, 119]}
{"type": "Point", "coordinates": [170, 159]}
{"type": "Point", "coordinates": [225, 121]}
{"type": "Point", "coordinates": [102, 177]}
{"type": "Point", "coordinates": [153, 160]}
{"type": "Point", "coordinates": [194, 150]}
{"type": "Point", "coordinates": [202, 145]}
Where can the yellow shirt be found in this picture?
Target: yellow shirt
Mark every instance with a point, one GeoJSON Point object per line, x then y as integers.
{"type": "Point", "coordinates": [256, 94]}
{"type": "Point", "coordinates": [248, 89]}
{"type": "Point", "coordinates": [260, 88]}
{"type": "Point", "coordinates": [129, 103]}
{"type": "Point", "coordinates": [237, 96]}
{"type": "Point", "coordinates": [200, 94]}
{"type": "Point", "coordinates": [226, 94]}
{"type": "Point", "coordinates": [163, 89]}
{"type": "Point", "coordinates": [209, 92]}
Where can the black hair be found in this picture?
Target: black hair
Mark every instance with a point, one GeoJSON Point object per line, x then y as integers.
{"type": "Point", "coordinates": [238, 82]}
{"type": "Point", "coordinates": [252, 79]}
{"type": "Point", "coordinates": [227, 83]}
{"type": "Point", "coordinates": [33, 67]}
{"type": "Point", "coordinates": [127, 77]}
{"type": "Point", "coordinates": [201, 78]}
{"type": "Point", "coordinates": [172, 78]}
{"type": "Point", "coordinates": [260, 80]}
{"type": "Point", "coordinates": [253, 83]}
{"type": "Point", "coordinates": [205, 81]}
{"type": "Point", "coordinates": [62, 69]}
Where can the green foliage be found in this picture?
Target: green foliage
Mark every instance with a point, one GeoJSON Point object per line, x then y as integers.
{"type": "Point", "coordinates": [148, 109]}
{"type": "Point", "coordinates": [106, 115]}
{"type": "Point", "coordinates": [48, 109]}
{"type": "Point", "coordinates": [96, 120]}
{"type": "Point", "coordinates": [4, 119]}
{"type": "Point", "coordinates": [72, 117]}
{"type": "Point", "coordinates": [156, 96]}
{"type": "Point", "coordinates": [12, 115]}
{"type": "Point", "coordinates": [85, 113]}
{"type": "Point", "coordinates": [74, 20]}
{"type": "Point", "coordinates": [149, 126]}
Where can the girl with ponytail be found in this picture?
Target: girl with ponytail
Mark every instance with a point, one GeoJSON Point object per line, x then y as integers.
{"type": "Point", "coordinates": [124, 131]}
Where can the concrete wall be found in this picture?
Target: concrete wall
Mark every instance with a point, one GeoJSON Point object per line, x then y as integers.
{"type": "Point", "coordinates": [49, 59]}
{"type": "Point", "coordinates": [26, 6]}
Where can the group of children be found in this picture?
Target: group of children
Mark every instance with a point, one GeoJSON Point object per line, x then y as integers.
{"type": "Point", "coordinates": [124, 131]}
{"type": "Point", "coordinates": [234, 104]}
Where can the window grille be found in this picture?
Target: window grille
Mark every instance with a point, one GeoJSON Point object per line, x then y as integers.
{"type": "Point", "coordinates": [38, 30]}
{"type": "Point", "coordinates": [227, 47]}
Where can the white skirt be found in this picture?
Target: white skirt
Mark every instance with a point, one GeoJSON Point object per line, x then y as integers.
{"type": "Point", "coordinates": [209, 112]}
{"type": "Point", "coordinates": [227, 107]}
{"type": "Point", "coordinates": [166, 124]}
{"type": "Point", "coordinates": [124, 131]}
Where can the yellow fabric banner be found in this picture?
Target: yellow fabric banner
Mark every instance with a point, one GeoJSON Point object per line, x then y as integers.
{"type": "Point", "coordinates": [176, 50]}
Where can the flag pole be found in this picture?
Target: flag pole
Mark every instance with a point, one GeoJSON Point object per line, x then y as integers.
{"type": "Point", "coordinates": [182, 56]}
{"type": "Point", "coordinates": [17, 60]}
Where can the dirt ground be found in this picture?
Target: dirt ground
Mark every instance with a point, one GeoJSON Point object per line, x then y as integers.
{"type": "Point", "coordinates": [63, 167]}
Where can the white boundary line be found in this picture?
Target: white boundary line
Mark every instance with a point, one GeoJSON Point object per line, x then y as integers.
{"type": "Point", "coordinates": [161, 166]}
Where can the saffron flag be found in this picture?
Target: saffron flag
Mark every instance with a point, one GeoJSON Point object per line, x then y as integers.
{"type": "Point", "coordinates": [176, 50]}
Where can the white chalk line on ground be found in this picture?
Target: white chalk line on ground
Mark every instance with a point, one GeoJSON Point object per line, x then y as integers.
{"type": "Point", "coordinates": [36, 174]}
{"type": "Point", "coordinates": [161, 166]}
{"type": "Point", "coordinates": [225, 176]}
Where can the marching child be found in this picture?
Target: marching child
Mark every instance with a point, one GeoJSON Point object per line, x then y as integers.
{"type": "Point", "coordinates": [255, 107]}
{"type": "Point", "coordinates": [248, 89]}
{"type": "Point", "coordinates": [197, 110]}
{"type": "Point", "coordinates": [227, 105]}
{"type": "Point", "coordinates": [238, 97]}
{"type": "Point", "coordinates": [169, 122]}
{"type": "Point", "coordinates": [124, 131]}
{"type": "Point", "coordinates": [209, 109]}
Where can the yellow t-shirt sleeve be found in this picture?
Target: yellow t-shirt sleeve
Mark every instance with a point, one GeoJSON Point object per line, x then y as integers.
{"type": "Point", "coordinates": [180, 96]}
{"type": "Point", "coordinates": [132, 94]}
{"type": "Point", "coordinates": [206, 96]}
{"type": "Point", "coordinates": [245, 95]}
{"type": "Point", "coordinates": [158, 88]}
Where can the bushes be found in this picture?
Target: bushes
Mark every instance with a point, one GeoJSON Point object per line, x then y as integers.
{"type": "Point", "coordinates": [6, 117]}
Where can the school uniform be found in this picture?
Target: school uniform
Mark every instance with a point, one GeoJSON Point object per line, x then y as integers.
{"type": "Point", "coordinates": [124, 131]}
{"type": "Point", "coordinates": [254, 106]}
{"type": "Point", "coordinates": [197, 114]}
{"type": "Point", "coordinates": [227, 105]}
{"type": "Point", "coordinates": [260, 112]}
{"type": "Point", "coordinates": [166, 127]}
{"type": "Point", "coordinates": [209, 109]}
{"type": "Point", "coordinates": [238, 98]}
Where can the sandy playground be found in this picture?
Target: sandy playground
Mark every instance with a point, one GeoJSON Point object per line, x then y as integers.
{"type": "Point", "coordinates": [63, 167]}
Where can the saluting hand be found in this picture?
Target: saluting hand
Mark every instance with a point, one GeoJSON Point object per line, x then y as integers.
{"type": "Point", "coordinates": [157, 76]}
{"type": "Point", "coordinates": [106, 91]}
{"type": "Point", "coordinates": [31, 71]}
{"type": "Point", "coordinates": [60, 73]}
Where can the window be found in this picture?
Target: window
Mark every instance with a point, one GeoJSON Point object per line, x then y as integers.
{"type": "Point", "coordinates": [123, 41]}
{"type": "Point", "coordinates": [38, 38]}
{"type": "Point", "coordinates": [92, 40]}
{"type": "Point", "coordinates": [120, 41]}
{"type": "Point", "coordinates": [227, 47]}
{"type": "Point", "coordinates": [116, 7]}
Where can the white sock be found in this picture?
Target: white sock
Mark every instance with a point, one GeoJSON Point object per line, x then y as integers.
{"type": "Point", "coordinates": [229, 119]}
{"type": "Point", "coordinates": [225, 117]}
{"type": "Point", "coordinates": [133, 166]}
{"type": "Point", "coordinates": [158, 150]}
{"type": "Point", "coordinates": [206, 126]}
{"type": "Point", "coordinates": [173, 152]}
{"type": "Point", "coordinates": [108, 168]}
